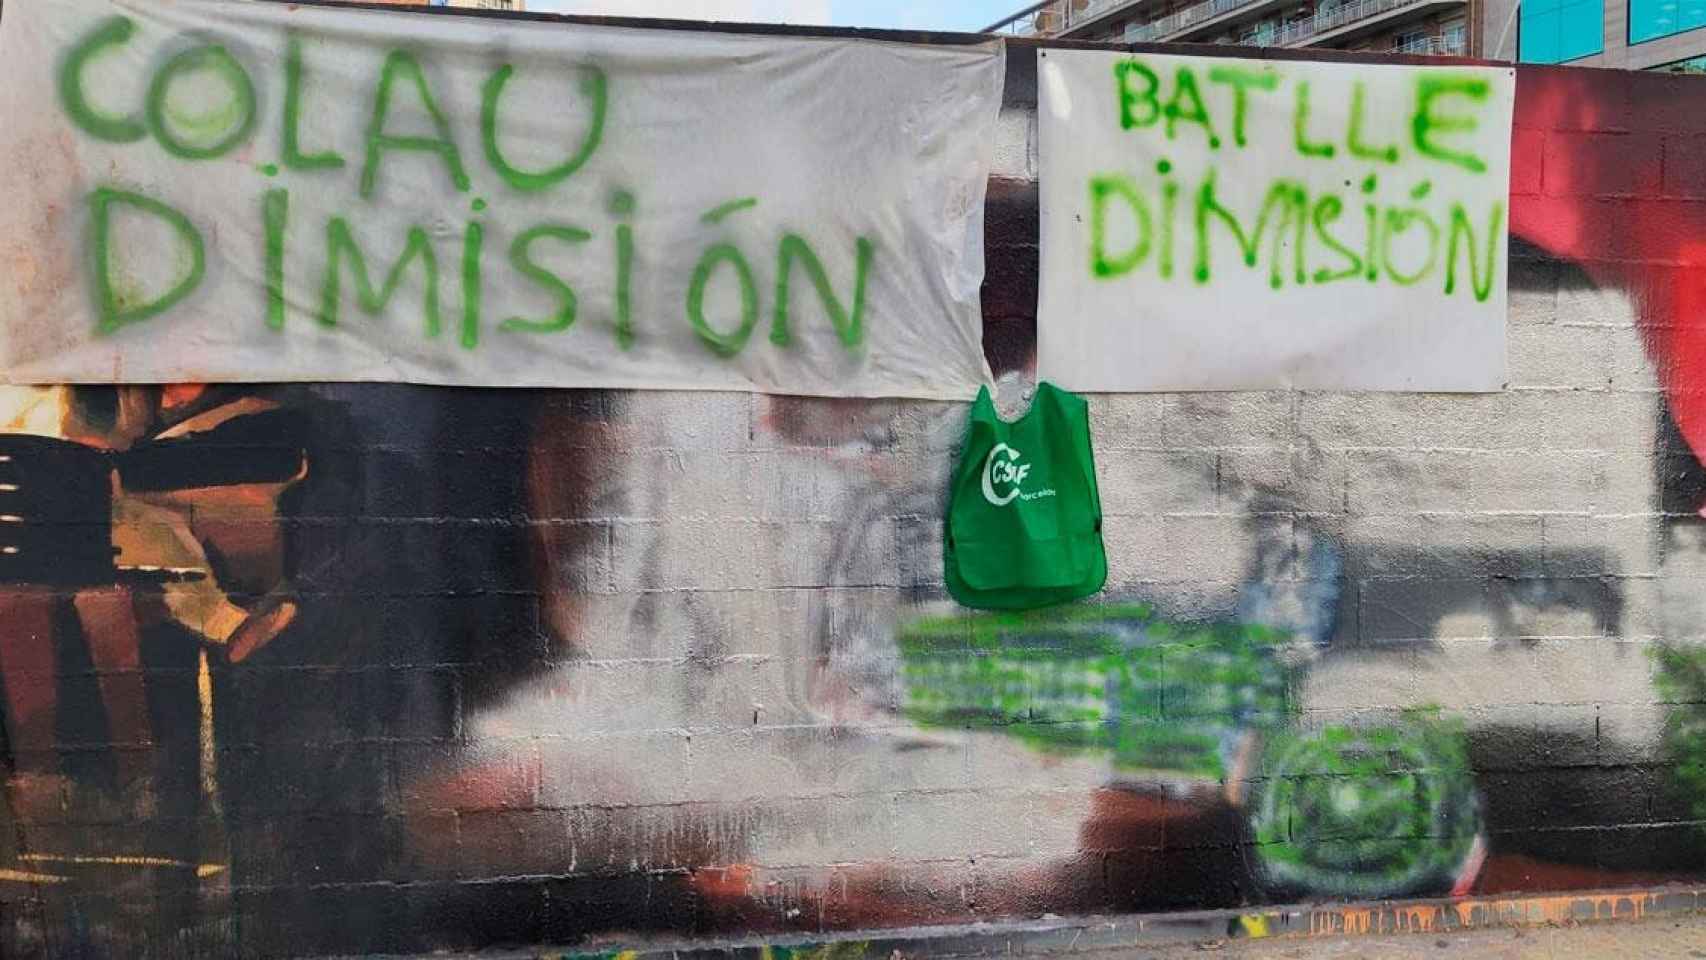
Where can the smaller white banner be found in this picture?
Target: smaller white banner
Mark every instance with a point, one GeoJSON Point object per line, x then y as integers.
{"type": "Point", "coordinates": [1233, 224]}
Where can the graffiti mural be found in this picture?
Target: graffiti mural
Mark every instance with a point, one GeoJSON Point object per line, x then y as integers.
{"type": "Point", "coordinates": [361, 668]}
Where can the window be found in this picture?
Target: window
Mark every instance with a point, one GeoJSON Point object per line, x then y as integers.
{"type": "Point", "coordinates": [1691, 65]}
{"type": "Point", "coordinates": [1651, 19]}
{"type": "Point", "coordinates": [1454, 37]}
{"type": "Point", "coordinates": [1555, 31]}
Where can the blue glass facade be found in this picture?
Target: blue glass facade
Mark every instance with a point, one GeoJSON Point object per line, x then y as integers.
{"type": "Point", "coordinates": [1555, 31]}
{"type": "Point", "coordinates": [1651, 19]}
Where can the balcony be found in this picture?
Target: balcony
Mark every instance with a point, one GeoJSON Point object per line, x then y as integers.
{"type": "Point", "coordinates": [1074, 21]}
{"type": "Point", "coordinates": [1354, 17]}
{"type": "Point", "coordinates": [1345, 21]}
{"type": "Point", "coordinates": [1033, 21]}
{"type": "Point", "coordinates": [1448, 46]}
{"type": "Point", "coordinates": [1209, 15]}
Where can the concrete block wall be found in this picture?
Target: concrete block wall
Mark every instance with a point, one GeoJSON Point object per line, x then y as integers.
{"type": "Point", "coordinates": [590, 667]}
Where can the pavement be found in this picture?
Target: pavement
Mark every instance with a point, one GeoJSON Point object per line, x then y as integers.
{"type": "Point", "coordinates": [1663, 938]}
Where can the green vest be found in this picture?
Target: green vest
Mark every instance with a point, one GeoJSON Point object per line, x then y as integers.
{"type": "Point", "coordinates": [1024, 523]}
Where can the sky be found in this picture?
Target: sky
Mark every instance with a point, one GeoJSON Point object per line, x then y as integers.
{"type": "Point", "coordinates": [906, 14]}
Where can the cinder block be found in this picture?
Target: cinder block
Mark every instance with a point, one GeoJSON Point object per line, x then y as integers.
{"type": "Point", "coordinates": [1556, 608]}
{"type": "Point", "coordinates": [1127, 421]}
{"type": "Point", "coordinates": [1185, 550]}
{"type": "Point", "coordinates": [1015, 144]}
{"type": "Point", "coordinates": [1578, 546]}
{"type": "Point", "coordinates": [496, 844]}
{"type": "Point", "coordinates": [712, 485]}
{"type": "Point", "coordinates": [1558, 357]}
{"type": "Point", "coordinates": [1631, 365]}
{"type": "Point", "coordinates": [728, 694]}
{"type": "Point", "coordinates": [1001, 823]}
{"type": "Point", "coordinates": [1630, 485]}
{"type": "Point", "coordinates": [1646, 615]}
{"type": "Point", "coordinates": [1583, 421]}
{"type": "Point", "coordinates": [1215, 420]}
{"type": "Point", "coordinates": [1474, 481]}
{"type": "Point", "coordinates": [1583, 303]}
{"type": "Point", "coordinates": [1305, 479]}
{"type": "Point", "coordinates": [1533, 294]}
{"type": "Point", "coordinates": [616, 771]}
{"type": "Point", "coordinates": [1407, 421]}
{"type": "Point", "coordinates": [577, 555]}
{"type": "Point", "coordinates": [1685, 176]}
{"type": "Point", "coordinates": [692, 555]}
{"type": "Point", "coordinates": [1010, 287]}
{"type": "Point", "coordinates": [1568, 799]}
{"type": "Point", "coordinates": [1603, 164]}
{"type": "Point", "coordinates": [1424, 609]}
{"type": "Point", "coordinates": [655, 419]}
{"type": "Point", "coordinates": [1528, 161]}
{"type": "Point", "coordinates": [1632, 732]}
{"type": "Point", "coordinates": [1527, 736]}
{"type": "Point", "coordinates": [1149, 482]}
{"type": "Point", "coordinates": [866, 555]}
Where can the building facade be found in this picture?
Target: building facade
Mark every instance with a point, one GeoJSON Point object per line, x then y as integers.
{"type": "Point", "coordinates": [1436, 27]}
{"type": "Point", "coordinates": [1667, 35]}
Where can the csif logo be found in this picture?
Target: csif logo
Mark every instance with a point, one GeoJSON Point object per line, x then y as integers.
{"type": "Point", "coordinates": [1006, 470]}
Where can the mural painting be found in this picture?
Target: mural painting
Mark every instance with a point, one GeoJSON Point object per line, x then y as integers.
{"type": "Point", "coordinates": [314, 669]}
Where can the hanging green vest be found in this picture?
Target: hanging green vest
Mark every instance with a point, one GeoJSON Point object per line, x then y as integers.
{"type": "Point", "coordinates": [1024, 523]}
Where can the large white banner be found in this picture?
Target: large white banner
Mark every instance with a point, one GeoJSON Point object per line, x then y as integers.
{"type": "Point", "coordinates": [1233, 224]}
{"type": "Point", "coordinates": [209, 190]}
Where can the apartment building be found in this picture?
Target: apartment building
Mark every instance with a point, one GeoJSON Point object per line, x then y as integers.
{"type": "Point", "coordinates": [1441, 27]}
{"type": "Point", "coordinates": [1630, 34]}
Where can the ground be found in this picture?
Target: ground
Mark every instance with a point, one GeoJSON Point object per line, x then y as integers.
{"type": "Point", "coordinates": [1668, 938]}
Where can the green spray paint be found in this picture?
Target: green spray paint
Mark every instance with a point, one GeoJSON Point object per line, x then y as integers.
{"type": "Point", "coordinates": [237, 118]}
{"type": "Point", "coordinates": [1194, 111]}
{"type": "Point", "coordinates": [719, 214]}
{"type": "Point", "coordinates": [594, 88]}
{"type": "Point", "coordinates": [473, 285]}
{"type": "Point", "coordinates": [1374, 812]}
{"type": "Point", "coordinates": [402, 63]}
{"type": "Point", "coordinates": [1242, 82]}
{"type": "Point", "coordinates": [521, 258]}
{"type": "Point", "coordinates": [622, 205]}
{"type": "Point", "coordinates": [1680, 680]}
{"type": "Point", "coordinates": [1397, 223]}
{"type": "Point", "coordinates": [341, 246]}
{"type": "Point", "coordinates": [1300, 128]}
{"type": "Point", "coordinates": [1131, 99]}
{"type": "Point", "coordinates": [117, 309]}
{"type": "Point", "coordinates": [294, 158]}
{"type": "Point", "coordinates": [1328, 209]}
{"type": "Point", "coordinates": [276, 216]}
{"type": "Point", "coordinates": [114, 32]}
{"type": "Point", "coordinates": [1288, 199]}
{"type": "Point", "coordinates": [1104, 189]}
{"type": "Point", "coordinates": [849, 323]}
{"type": "Point", "coordinates": [1115, 681]}
{"type": "Point", "coordinates": [1480, 278]}
{"type": "Point", "coordinates": [1428, 124]}
{"type": "Point", "coordinates": [730, 344]}
{"type": "Point", "coordinates": [1359, 149]}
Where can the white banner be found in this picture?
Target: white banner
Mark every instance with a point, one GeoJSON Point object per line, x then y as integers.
{"type": "Point", "coordinates": [1233, 224]}
{"type": "Point", "coordinates": [208, 190]}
